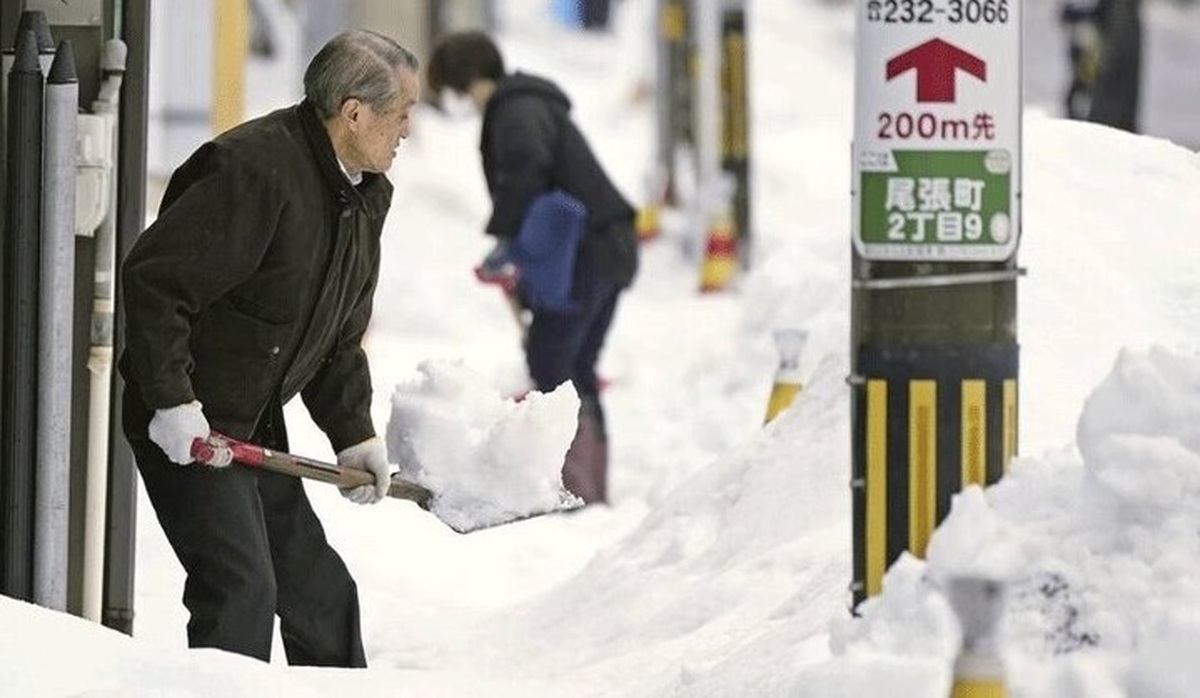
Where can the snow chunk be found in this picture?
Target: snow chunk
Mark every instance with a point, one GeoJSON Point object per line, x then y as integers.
{"type": "Point", "coordinates": [487, 459]}
{"type": "Point", "coordinates": [1139, 434]}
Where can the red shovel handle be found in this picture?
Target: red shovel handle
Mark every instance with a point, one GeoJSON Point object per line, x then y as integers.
{"type": "Point", "coordinates": [220, 450]}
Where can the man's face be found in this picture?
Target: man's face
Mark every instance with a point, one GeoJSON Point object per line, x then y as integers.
{"type": "Point", "coordinates": [377, 134]}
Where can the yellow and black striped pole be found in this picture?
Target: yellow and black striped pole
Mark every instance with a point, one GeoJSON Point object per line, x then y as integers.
{"type": "Point", "coordinates": [674, 72]}
{"type": "Point", "coordinates": [929, 420]}
{"type": "Point", "coordinates": [735, 119]}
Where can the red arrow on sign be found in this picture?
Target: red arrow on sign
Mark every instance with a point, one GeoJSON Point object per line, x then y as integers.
{"type": "Point", "coordinates": [935, 62]}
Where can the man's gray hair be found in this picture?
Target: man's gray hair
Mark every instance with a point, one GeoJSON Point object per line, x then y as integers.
{"type": "Point", "coordinates": [357, 63]}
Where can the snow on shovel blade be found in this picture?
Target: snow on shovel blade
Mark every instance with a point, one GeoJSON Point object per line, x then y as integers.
{"type": "Point", "coordinates": [220, 451]}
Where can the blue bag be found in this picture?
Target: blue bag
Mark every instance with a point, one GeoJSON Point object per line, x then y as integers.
{"type": "Point", "coordinates": [567, 13]}
{"type": "Point", "coordinates": [545, 249]}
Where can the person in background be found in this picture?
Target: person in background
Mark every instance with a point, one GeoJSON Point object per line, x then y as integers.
{"type": "Point", "coordinates": [1116, 96]}
{"type": "Point", "coordinates": [1105, 49]}
{"type": "Point", "coordinates": [530, 146]}
{"type": "Point", "coordinates": [253, 285]}
{"type": "Point", "coordinates": [1084, 43]}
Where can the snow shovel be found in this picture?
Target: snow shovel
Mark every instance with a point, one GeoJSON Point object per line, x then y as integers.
{"type": "Point", "coordinates": [220, 450]}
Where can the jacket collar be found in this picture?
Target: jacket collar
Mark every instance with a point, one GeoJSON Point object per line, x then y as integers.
{"type": "Point", "coordinates": [373, 195]}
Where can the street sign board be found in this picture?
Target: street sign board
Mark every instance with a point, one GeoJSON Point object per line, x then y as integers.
{"type": "Point", "coordinates": [937, 132]}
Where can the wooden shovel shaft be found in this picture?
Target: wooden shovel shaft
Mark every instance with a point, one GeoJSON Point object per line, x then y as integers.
{"type": "Point", "coordinates": [256, 456]}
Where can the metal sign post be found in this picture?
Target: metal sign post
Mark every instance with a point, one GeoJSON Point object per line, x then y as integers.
{"type": "Point", "coordinates": [936, 222]}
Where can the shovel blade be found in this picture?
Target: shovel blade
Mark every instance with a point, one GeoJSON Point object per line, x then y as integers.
{"type": "Point", "coordinates": [483, 517]}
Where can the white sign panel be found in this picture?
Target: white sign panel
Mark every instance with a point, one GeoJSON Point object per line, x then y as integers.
{"type": "Point", "coordinates": [937, 133]}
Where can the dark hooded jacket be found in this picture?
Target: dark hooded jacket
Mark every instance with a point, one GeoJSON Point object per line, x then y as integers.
{"type": "Point", "coordinates": [529, 146]}
{"type": "Point", "coordinates": [255, 282]}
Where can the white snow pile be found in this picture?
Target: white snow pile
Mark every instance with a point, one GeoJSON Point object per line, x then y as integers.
{"type": "Point", "coordinates": [1140, 438]}
{"type": "Point", "coordinates": [486, 458]}
{"type": "Point", "coordinates": [1098, 554]}
{"type": "Point", "coordinates": [51, 654]}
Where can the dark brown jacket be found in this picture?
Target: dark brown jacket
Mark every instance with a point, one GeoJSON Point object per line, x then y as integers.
{"type": "Point", "coordinates": [255, 281]}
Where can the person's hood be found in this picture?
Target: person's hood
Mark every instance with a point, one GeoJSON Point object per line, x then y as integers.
{"type": "Point", "coordinates": [517, 84]}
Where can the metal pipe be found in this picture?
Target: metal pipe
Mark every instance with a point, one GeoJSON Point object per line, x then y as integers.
{"type": "Point", "coordinates": [55, 334]}
{"type": "Point", "coordinates": [18, 379]}
{"type": "Point", "coordinates": [100, 354]}
{"type": "Point", "coordinates": [120, 552]}
{"type": "Point", "coordinates": [14, 20]}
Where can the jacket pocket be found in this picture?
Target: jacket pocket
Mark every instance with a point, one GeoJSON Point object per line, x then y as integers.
{"type": "Point", "coordinates": [237, 361]}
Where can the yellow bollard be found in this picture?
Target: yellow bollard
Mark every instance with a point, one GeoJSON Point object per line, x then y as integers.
{"type": "Point", "coordinates": [978, 670]}
{"type": "Point", "coordinates": [658, 195]}
{"type": "Point", "coordinates": [647, 222]}
{"type": "Point", "coordinates": [720, 254]}
{"type": "Point", "coordinates": [970, 688]}
{"type": "Point", "coordinates": [721, 240]}
{"type": "Point", "coordinates": [790, 344]}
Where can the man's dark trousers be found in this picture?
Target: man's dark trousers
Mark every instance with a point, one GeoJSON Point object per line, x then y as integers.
{"type": "Point", "coordinates": [252, 548]}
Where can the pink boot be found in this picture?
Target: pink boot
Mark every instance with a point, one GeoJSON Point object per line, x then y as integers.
{"type": "Point", "coordinates": [585, 471]}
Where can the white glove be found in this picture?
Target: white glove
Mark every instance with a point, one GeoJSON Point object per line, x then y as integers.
{"type": "Point", "coordinates": [371, 457]}
{"type": "Point", "coordinates": [175, 428]}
